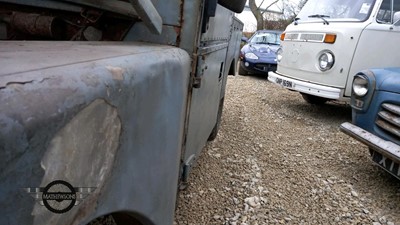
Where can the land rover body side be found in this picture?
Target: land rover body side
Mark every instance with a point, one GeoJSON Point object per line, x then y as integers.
{"type": "Point", "coordinates": [115, 98]}
{"type": "Point", "coordinates": [375, 106]}
{"type": "Point", "coordinates": [332, 40]}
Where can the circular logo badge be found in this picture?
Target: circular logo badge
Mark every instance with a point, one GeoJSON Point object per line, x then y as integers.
{"type": "Point", "coordinates": [59, 196]}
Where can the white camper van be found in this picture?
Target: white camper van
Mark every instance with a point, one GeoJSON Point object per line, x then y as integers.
{"type": "Point", "coordinates": [331, 40]}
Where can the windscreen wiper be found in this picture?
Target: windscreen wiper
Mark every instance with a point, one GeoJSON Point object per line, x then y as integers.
{"type": "Point", "coordinates": [321, 17]}
{"type": "Point", "coordinates": [266, 43]}
{"type": "Point", "coordinates": [295, 20]}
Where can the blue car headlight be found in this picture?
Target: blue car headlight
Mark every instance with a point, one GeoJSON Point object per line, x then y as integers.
{"type": "Point", "coordinates": [250, 55]}
{"type": "Point", "coordinates": [362, 90]}
{"type": "Point", "coordinates": [360, 85]}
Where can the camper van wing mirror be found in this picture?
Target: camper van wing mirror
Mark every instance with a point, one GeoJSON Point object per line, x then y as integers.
{"type": "Point", "coordinates": [396, 18]}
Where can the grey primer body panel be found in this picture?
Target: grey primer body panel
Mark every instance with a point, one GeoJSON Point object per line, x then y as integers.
{"type": "Point", "coordinates": [54, 98]}
{"type": "Point", "coordinates": [213, 53]}
{"type": "Point", "coordinates": [205, 100]}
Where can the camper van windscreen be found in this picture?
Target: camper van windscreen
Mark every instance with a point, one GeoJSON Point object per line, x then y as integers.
{"type": "Point", "coordinates": [335, 10]}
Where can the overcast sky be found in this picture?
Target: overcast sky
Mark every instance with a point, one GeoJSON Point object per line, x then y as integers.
{"type": "Point", "coordinates": [250, 24]}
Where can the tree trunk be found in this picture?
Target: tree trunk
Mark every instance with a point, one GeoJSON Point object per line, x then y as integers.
{"type": "Point", "coordinates": [257, 14]}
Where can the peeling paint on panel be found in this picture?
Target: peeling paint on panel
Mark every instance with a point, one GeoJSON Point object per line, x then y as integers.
{"type": "Point", "coordinates": [81, 153]}
{"type": "Point", "coordinates": [116, 72]}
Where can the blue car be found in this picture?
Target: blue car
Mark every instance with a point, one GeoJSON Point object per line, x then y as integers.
{"type": "Point", "coordinates": [258, 56]}
{"type": "Point", "coordinates": [375, 102]}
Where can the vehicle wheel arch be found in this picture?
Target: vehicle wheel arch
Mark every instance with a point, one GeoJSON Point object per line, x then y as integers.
{"type": "Point", "coordinates": [217, 125]}
{"type": "Point", "coordinates": [121, 218]}
{"type": "Point", "coordinates": [232, 68]}
{"type": "Point", "coordinates": [242, 71]}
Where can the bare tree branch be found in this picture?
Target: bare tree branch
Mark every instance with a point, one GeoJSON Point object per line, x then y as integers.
{"type": "Point", "coordinates": [269, 6]}
{"type": "Point", "coordinates": [257, 14]}
{"type": "Point", "coordinates": [268, 18]}
{"type": "Point", "coordinates": [260, 5]}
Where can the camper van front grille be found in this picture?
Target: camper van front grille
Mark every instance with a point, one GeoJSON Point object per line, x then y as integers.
{"type": "Point", "coordinates": [310, 37]}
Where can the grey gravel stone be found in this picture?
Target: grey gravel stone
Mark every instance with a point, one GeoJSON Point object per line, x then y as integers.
{"type": "Point", "coordinates": [288, 219]}
{"type": "Point", "coordinates": [382, 219]}
{"type": "Point", "coordinates": [277, 157]}
{"type": "Point", "coordinates": [354, 194]}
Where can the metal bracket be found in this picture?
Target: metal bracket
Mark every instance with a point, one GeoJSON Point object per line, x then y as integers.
{"type": "Point", "coordinates": [119, 7]}
{"type": "Point", "coordinates": [186, 168]}
{"type": "Point", "coordinates": [148, 13]}
{"type": "Point", "coordinates": [210, 9]}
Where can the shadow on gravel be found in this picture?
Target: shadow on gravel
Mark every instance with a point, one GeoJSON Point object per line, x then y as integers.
{"type": "Point", "coordinates": [335, 111]}
{"type": "Point", "coordinates": [263, 77]}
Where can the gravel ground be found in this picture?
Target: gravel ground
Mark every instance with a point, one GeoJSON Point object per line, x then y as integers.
{"type": "Point", "coordinates": [279, 160]}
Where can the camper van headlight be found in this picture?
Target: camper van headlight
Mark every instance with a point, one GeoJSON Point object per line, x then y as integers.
{"type": "Point", "coordinates": [360, 86]}
{"type": "Point", "coordinates": [326, 61]}
{"type": "Point", "coordinates": [279, 54]}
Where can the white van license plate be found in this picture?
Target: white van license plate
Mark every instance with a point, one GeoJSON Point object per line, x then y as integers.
{"type": "Point", "coordinates": [284, 83]}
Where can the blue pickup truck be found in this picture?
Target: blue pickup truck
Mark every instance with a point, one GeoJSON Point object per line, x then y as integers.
{"type": "Point", "coordinates": [376, 116]}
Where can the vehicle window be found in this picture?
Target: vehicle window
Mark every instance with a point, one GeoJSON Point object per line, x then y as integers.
{"type": "Point", "coordinates": [336, 10]}
{"type": "Point", "coordinates": [265, 38]}
{"type": "Point", "coordinates": [385, 13]}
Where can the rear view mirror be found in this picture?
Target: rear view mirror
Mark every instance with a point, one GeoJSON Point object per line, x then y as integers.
{"type": "Point", "coordinates": [235, 5]}
{"type": "Point", "coordinates": [245, 39]}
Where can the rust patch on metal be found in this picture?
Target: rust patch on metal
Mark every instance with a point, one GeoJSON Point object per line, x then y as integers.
{"type": "Point", "coordinates": [388, 127]}
{"type": "Point", "coordinates": [31, 23]}
{"type": "Point", "coordinates": [178, 30]}
{"type": "Point", "coordinates": [392, 108]}
{"type": "Point", "coordinates": [37, 25]}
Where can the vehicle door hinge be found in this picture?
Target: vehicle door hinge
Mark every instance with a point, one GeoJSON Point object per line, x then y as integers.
{"type": "Point", "coordinates": [201, 67]}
